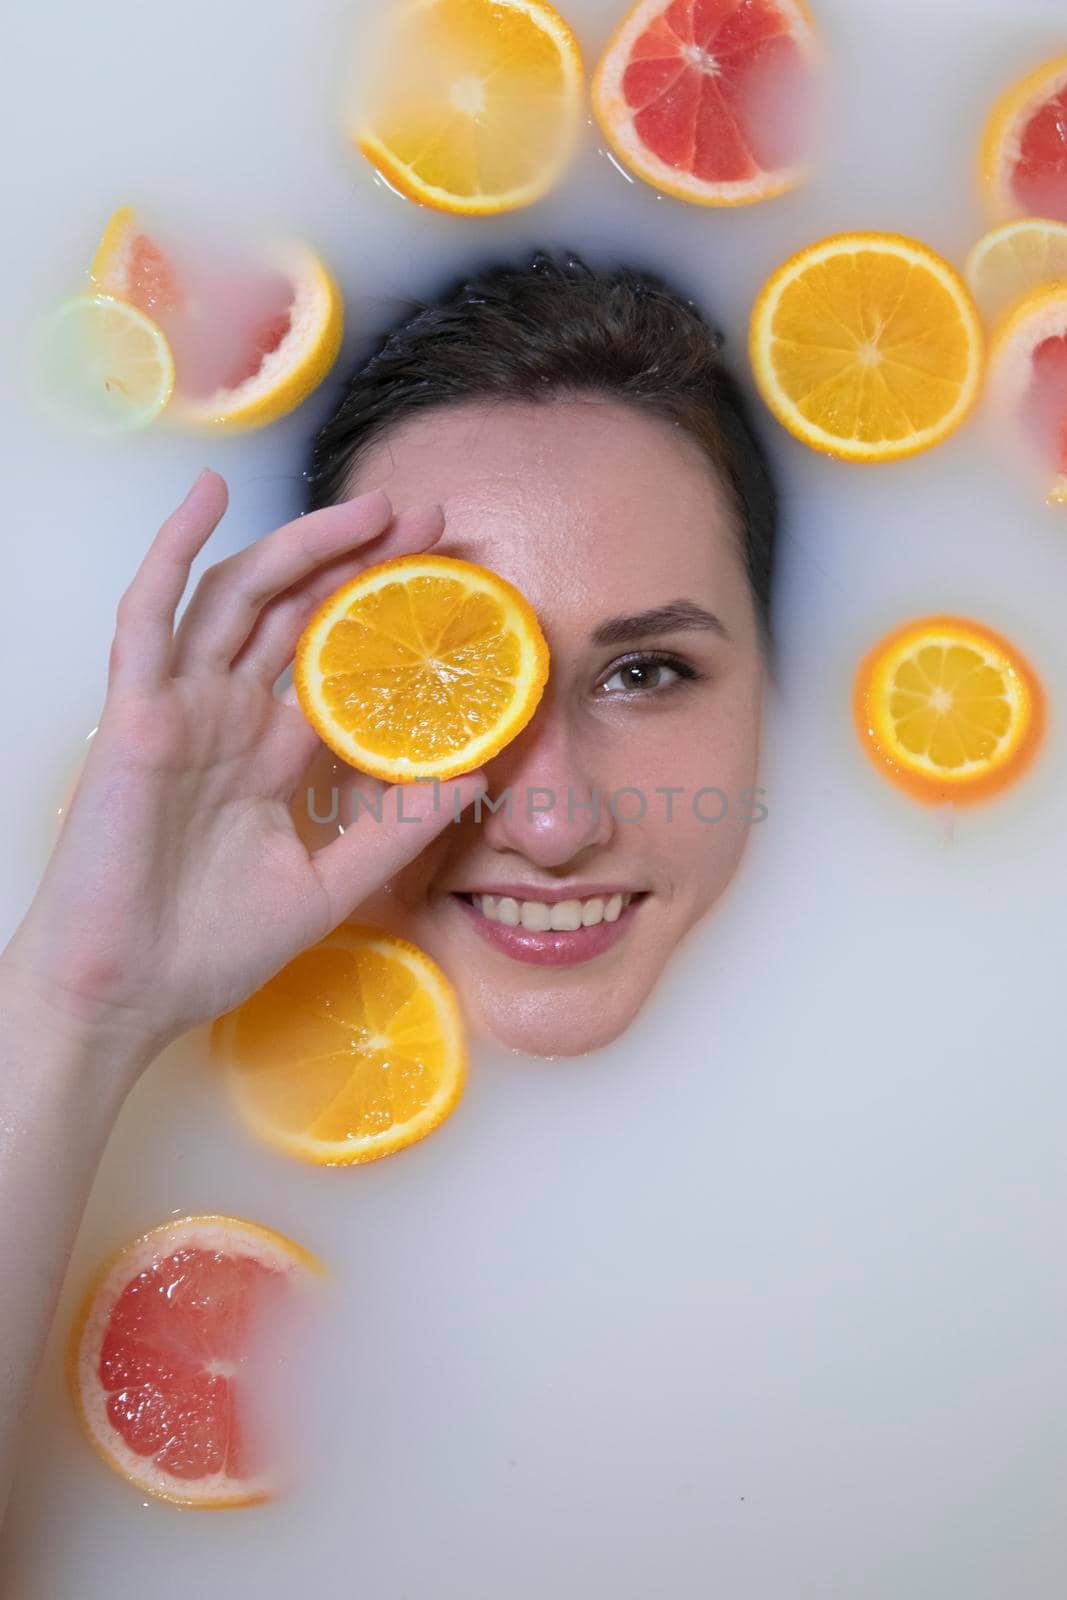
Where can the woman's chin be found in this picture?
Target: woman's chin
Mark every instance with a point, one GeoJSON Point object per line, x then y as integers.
{"type": "Point", "coordinates": [551, 1024]}
{"type": "Point", "coordinates": [537, 1009]}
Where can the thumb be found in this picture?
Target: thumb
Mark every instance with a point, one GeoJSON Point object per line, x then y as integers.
{"type": "Point", "coordinates": [386, 833]}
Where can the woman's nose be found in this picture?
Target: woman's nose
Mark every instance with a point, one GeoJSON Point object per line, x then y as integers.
{"type": "Point", "coordinates": [545, 804]}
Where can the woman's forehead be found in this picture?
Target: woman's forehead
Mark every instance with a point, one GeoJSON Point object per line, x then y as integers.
{"type": "Point", "coordinates": [584, 504]}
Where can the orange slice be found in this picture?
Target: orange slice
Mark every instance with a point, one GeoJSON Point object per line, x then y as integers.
{"type": "Point", "coordinates": [1023, 160]}
{"type": "Point", "coordinates": [1028, 381]}
{"type": "Point", "coordinates": [421, 667]}
{"type": "Point", "coordinates": [947, 709]}
{"type": "Point", "coordinates": [163, 1349]}
{"type": "Point", "coordinates": [353, 1051]}
{"type": "Point", "coordinates": [867, 346]}
{"type": "Point", "coordinates": [706, 99]}
{"type": "Point", "coordinates": [479, 104]}
{"type": "Point", "coordinates": [249, 344]}
{"type": "Point", "coordinates": [1010, 261]}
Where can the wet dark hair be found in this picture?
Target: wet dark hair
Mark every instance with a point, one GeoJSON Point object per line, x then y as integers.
{"type": "Point", "coordinates": [553, 328]}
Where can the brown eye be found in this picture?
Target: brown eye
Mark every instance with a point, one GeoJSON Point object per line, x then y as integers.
{"type": "Point", "coordinates": [644, 675]}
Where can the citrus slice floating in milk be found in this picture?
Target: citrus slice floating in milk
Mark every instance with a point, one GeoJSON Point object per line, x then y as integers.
{"type": "Point", "coordinates": [250, 342]}
{"type": "Point", "coordinates": [166, 1350]}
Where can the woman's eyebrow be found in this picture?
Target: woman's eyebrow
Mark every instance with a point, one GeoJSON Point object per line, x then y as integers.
{"type": "Point", "coordinates": [675, 615]}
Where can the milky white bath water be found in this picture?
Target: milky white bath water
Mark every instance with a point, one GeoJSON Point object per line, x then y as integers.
{"type": "Point", "coordinates": [767, 1300]}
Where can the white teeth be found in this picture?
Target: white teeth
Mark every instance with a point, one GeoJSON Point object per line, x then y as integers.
{"type": "Point", "coordinates": [564, 916]}
{"type": "Point", "coordinates": [567, 915]}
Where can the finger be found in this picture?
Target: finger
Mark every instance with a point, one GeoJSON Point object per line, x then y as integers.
{"type": "Point", "coordinates": [142, 649]}
{"type": "Point", "coordinates": [230, 596]}
{"type": "Point", "coordinates": [370, 851]}
{"type": "Point", "coordinates": [272, 643]}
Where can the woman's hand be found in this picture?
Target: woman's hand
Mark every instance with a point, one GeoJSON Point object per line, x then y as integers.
{"type": "Point", "coordinates": [179, 885]}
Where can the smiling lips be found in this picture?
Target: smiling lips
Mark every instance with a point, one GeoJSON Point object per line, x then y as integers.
{"type": "Point", "coordinates": [551, 932]}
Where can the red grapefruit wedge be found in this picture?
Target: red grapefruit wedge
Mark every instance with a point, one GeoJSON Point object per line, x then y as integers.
{"type": "Point", "coordinates": [710, 100]}
{"type": "Point", "coordinates": [249, 343]}
{"type": "Point", "coordinates": [160, 1357]}
{"type": "Point", "coordinates": [1024, 146]}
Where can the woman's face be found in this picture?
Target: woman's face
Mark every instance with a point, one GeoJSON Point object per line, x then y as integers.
{"type": "Point", "coordinates": [615, 529]}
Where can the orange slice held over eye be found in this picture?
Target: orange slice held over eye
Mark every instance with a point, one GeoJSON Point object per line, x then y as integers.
{"type": "Point", "coordinates": [421, 667]}
{"type": "Point", "coordinates": [250, 341]}
{"type": "Point", "coordinates": [165, 1354]}
{"type": "Point", "coordinates": [867, 347]}
{"type": "Point", "coordinates": [948, 710]}
{"type": "Point", "coordinates": [711, 100]}
{"type": "Point", "coordinates": [353, 1051]}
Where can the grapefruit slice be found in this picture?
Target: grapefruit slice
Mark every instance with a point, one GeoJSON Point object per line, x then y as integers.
{"type": "Point", "coordinates": [710, 100]}
{"type": "Point", "coordinates": [1028, 381]}
{"type": "Point", "coordinates": [1024, 146]}
{"type": "Point", "coordinates": [162, 1348]}
{"type": "Point", "coordinates": [249, 344]}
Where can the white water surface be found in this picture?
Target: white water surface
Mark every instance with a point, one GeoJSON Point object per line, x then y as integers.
{"type": "Point", "coordinates": [767, 1301]}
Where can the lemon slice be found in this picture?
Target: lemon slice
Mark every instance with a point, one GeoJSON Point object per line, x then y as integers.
{"type": "Point", "coordinates": [1010, 261]}
{"type": "Point", "coordinates": [106, 365]}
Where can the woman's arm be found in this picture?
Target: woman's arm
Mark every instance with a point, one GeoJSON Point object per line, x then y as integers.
{"type": "Point", "coordinates": [61, 1087]}
{"type": "Point", "coordinates": [178, 885]}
